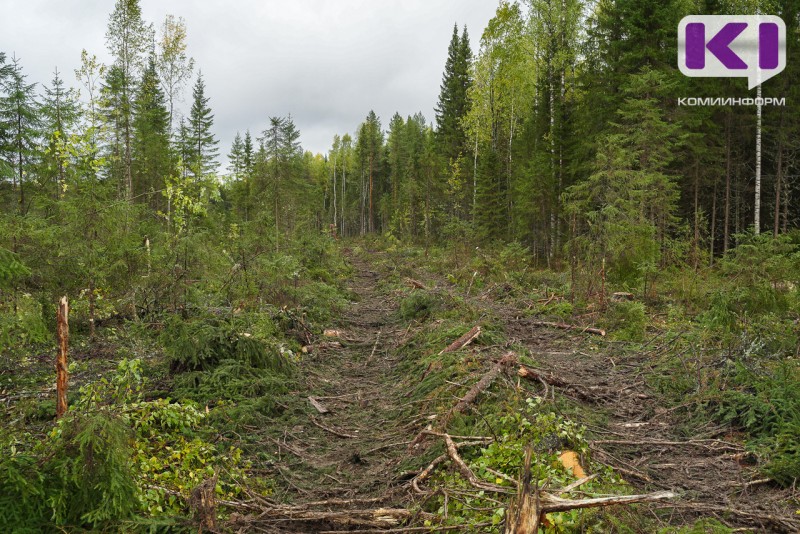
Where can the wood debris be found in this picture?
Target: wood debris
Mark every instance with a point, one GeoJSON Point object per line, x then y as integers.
{"type": "Point", "coordinates": [463, 341]}
{"type": "Point", "coordinates": [565, 326]}
{"type": "Point", "coordinates": [318, 405]}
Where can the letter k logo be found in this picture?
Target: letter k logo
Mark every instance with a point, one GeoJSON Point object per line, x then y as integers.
{"type": "Point", "coordinates": [719, 45]}
{"type": "Point", "coordinates": [738, 46]}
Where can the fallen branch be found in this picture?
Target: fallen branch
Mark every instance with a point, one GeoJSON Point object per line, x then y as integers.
{"type": "Point", "coordinates": [415, 284]}
{"type": "Point", "coordinates": [481, 385]}
{"type": "Point", "coordinates": [549, 378]}
{"type": "Point", "coordinates": [466, 472]}
{"type": "Point", "coordinates": [564, 326]}
{"type": "Point", "coordinates": [551, 503]}
{"type": "Point", "coordinates": [527, 509]}
{"type": "Point", "coordinates": [331, 430]}
{"type": "Point", "coordinates": [463, 341]}
{"type": "Point", "coordinates": [318, 405]}
{"type": "Point", "coordinates": [425, 473]}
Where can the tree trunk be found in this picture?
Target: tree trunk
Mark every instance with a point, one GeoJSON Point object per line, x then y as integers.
{"type": "Point", "coordinates": [778, 179]}
{"type": "Point", "coordinates": [727, 216]}
{"type": "Point", "coordinates": [62, 330]}
{"type": "Point", "coordinates": [757, 207]}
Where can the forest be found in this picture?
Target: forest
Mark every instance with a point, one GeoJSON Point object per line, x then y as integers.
{"type": "Point", "coordinates": [568, 302]}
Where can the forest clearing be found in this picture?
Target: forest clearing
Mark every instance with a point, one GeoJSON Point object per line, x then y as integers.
{"type": "Point", "coordinates": [568, 304]}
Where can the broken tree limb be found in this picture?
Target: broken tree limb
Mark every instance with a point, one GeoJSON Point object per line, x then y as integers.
{"type": "Point", "coordinates": [425, 473]}
{"type": "Point", "coordinates": [331, 430]}
{"type": "Point", "coordinates": [62, 373]}
{"type": "Point", "coordinates": [318, 405]}
{"type": "Point", "coordinates": [527, 509]}
{"type": "Point", "coordinates": [415, 284]}
{"type": "Point", "coordinates": [463, 341]}
{"type": "Point", "coordinates": [551, 503]}
{"type": "Point", "coordinates": [466, 472]}
{"type": "Point", "coordinates": [565, 326]}
{"type": "Point", "coordinates": [549, 378]}
{"type": "Point", "coordinates": [523, 516]}
{"type": "Point", "coordinates": [481, 385]}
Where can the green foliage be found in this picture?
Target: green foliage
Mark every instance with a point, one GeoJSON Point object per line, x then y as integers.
{"type": "Point", "coordinates": [419, 305]}
{"type": "Point", "coordinates": [765, 401]}
{"type": "Point", "coordinates": [202, 345]}
{"type": "Point", "coordinates": [92, 461]}
{"type": "Point", "coordinates": [534, 423]}
{"type": "Point", "coordinates": [11, 269]}
{"type": "Point", "coordinates": [627, 320]}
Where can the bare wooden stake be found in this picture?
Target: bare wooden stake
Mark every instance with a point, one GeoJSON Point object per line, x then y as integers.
{"type": "Point", "coordinates": [62, 331]}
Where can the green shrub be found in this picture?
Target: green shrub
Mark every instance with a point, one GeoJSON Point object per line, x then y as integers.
{"type": "Point", "coordinates": [201, 345]}
{"type": "Point", "coordinates": [92, 461]}
{"type": "Point", "coordinates": [766, 403]}
{"type": "Point", "coordinates": [627, 320]}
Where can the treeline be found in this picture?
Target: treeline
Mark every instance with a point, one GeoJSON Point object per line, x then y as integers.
{"type": "Point", "coordinates": [112, 196]}
{"type": "Point", "coordinates": [565, 134]}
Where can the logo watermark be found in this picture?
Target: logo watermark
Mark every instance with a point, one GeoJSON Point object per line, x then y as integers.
{"type": "Point", "coordinates": [732, 46]}
{"type": "Point", "coordinates": [731, 101]}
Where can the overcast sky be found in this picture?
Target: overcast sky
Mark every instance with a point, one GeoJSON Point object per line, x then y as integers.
{"type": "Point", "coordinates": [327, 62]}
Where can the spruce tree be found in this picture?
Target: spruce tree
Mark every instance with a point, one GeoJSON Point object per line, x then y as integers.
{"type": "Point", "coordinates": [152, 159]}
{"type": "Point", "coordinates": [453, 102]}
{"type": "Point", "coordinates": [236, 158]}
{"type": "Point", "coordinates": [60, 112]}
{"type": "Point", "coordinates": [203, 149]}
{"type": "Point", "coordinates": [19, 115]}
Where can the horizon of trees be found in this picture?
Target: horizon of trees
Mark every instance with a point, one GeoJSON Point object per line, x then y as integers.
{"type": "Point", "coordinates": [562, 133]}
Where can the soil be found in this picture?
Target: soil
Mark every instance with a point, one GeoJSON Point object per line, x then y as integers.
{"type": "Point", "coordinates": [351, 457]}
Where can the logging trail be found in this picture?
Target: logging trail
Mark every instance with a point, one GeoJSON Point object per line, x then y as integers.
{"type": "Point", "coordinates": [341, 466]}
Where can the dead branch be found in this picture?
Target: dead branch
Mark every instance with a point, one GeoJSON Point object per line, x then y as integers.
{"type": "Point", "coordinates": [416, 284]}
{"type": "Point", "coordinates": [551, 503]}
{"type": "Point", "coordinates": [715, 444]}
{"type": "Point", "coordinates": [577, 484]}
{"type": "Point", "coordinates": [318, 405]}
{"type": "Point", "coordinates": [331, 430]}
{"type": "Point", "coordinates": [463, 341]}
{"type": "Point", "coordinates": [466, 472]}
{"type": "Point", "coordinates": [425, 473]}
{"type": "Point", "coordinates": [549, 378]}
{"type": "Point", "coordinates": [564, 326]}
{"type": "Point", "coordinates": [481, 385]}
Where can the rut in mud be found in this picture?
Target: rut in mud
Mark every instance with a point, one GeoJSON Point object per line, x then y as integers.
{"type": "Point", "coordinates": [345, 461]}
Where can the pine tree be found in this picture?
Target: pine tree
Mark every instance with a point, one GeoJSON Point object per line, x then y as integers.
{"type": "Point", "coordinates": [369, 148]}
{"type": "Point", "coordinates": [248, 155]}
{"type": "Point", "coordinates": [152, 159]}
{"type": "Point", "coordinates": [203, 149]}
{"type": "Point", "coordinates": [281, 152]}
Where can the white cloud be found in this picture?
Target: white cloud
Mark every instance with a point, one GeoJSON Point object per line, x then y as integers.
{"type": "Point", "coordinates": [327, 62]}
